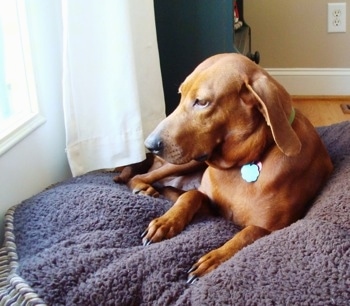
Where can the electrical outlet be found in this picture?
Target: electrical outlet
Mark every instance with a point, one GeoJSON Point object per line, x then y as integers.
{"type": "Point", "coordinates": [336, 17]}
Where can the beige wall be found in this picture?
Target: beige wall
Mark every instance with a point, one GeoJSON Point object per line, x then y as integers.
{"type": "Point", "coordinates": [293, 34]}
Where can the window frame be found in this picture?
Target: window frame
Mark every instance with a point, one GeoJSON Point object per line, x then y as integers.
{"type": "Point", "coordinates": [21, 125]}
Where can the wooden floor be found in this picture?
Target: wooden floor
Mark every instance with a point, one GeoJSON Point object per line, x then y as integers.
{"type": "Point", "coordinates": [322, 110]}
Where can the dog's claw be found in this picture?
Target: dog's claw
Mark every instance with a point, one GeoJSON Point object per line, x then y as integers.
{"type": "Point", "coordinates": [144, 233]}
{"type": "Point", "coordinates": [192, 279]}
{"type": "Point", "coordinates": [193, 268]}
{"type": "Point", "coordinates": [146, 242]}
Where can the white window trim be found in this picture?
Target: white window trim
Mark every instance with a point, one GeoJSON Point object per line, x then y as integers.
{"type": "Point", "coordinates": [21, 126]}
{"type": "Point", "coordinates": [20, 130]}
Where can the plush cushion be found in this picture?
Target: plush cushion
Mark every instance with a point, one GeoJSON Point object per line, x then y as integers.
{"type": "Point", "coordinates": [78, 243]}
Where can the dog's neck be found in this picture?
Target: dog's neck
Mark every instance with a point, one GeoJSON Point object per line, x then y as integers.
{"type": "Point", "coordinates": [237, 150]}
{"type": "Point", "coordinates": [233, 152]}
{"type": "Point", "coordinates": [250, 172]}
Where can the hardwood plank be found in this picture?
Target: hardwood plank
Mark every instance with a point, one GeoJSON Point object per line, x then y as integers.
{"type": "Point", "coordinates": [322, 110]}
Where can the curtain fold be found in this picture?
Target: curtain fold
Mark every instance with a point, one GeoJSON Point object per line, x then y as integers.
{"type": "Point", "coordinates": [112, 87]}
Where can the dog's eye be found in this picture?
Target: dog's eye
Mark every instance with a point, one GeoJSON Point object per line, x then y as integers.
{"type": "Point", "coordinates": [201, 103]}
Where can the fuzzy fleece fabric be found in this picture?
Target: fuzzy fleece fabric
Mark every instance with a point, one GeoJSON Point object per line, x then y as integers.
{"type": "Point", "coordinates": [78, 243]}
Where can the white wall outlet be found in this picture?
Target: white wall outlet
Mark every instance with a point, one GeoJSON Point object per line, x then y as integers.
{"type": "Point", "coordinates": [336, 17]}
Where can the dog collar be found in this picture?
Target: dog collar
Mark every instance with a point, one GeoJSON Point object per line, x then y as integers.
{"type": "Point", "coordinates": [250, 172]}
{"type": "Point", "coordinates": [291, 116]}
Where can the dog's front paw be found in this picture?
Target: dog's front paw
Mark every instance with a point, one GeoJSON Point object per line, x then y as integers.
{"type": "Point", "coordinates": [206, 264]}
{"type": "Point", "coordinates": [138, 186]}
{"type": "Point", "coordinates": [145, 189]}
{"type": "Point", "coordinates": [164, 227]}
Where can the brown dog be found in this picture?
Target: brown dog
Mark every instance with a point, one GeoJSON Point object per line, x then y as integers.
{"type": "Point", "coordinates": [265, 160]}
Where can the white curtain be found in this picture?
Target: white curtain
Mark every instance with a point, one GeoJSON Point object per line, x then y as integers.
{"type": "Point", "coordinates": [112, 88]}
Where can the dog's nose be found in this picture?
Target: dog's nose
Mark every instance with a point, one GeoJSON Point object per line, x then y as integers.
{"type": "Point", "coordinates": [154, 144]}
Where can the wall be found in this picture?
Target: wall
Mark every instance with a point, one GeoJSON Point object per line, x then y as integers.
{"type": "Point", "coordinates": [187, 33]}
{"type": "Point", "coordinates": [294, 34]}
{"type": "Point", "coordinates": [39, 160]}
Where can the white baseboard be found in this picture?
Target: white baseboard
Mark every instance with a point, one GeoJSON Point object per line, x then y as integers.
{"type": "Point", "coordinates": [313, 81]}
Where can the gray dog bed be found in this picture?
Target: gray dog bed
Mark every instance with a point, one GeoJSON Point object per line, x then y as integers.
{"type": "Point", "coordinates": [78, 243]}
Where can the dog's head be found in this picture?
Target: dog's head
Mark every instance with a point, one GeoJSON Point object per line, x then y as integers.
{"type": "Point", "coordinates": [230, 111]}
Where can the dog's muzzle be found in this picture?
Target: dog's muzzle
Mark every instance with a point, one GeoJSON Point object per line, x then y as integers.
{"type": "Point", "coordinates": [154, 145]}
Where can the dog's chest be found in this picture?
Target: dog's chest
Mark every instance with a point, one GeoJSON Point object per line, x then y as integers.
{"type": "Point", "coordinates": [184, 182]}
{"type": "Point", "coordinates": [236, 198]}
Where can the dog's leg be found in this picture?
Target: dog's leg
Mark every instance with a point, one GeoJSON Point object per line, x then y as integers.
{"type": "Point", "coordinates": [171, 193]}
{"type": "Point", "coordinates": [176, 218]}
{"type": "Point", "coordinates": [214, 258]}
{"type": "Point", "coordinates": [143, 183]}
{"type": "Point", "coordinates": [130, 171]}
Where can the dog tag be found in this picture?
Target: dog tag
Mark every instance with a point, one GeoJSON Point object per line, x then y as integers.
{"type": "Point", "coordinates": [251, 172]}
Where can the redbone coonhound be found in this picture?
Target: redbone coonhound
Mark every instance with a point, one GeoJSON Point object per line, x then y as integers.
{"type": "Point", "coordinates": [264, 161]}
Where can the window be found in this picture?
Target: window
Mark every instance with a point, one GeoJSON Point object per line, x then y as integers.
{"type": "Point", "coordinates": [19, 112]}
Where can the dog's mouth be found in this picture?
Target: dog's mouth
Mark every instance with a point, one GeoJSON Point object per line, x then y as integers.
{"type": "Point", "coordinates": [202, 158]}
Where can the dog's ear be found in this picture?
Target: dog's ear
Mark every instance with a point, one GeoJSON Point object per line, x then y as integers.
{"type": "Point", "coordinates": [273, 102]}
